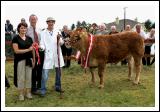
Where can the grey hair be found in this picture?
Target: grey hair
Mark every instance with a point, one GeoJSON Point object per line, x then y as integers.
{"type": "Point", "coordinates": [65, 26]}
{"type": "Point", "coordinates": [33, 15]}
{"type": "Point", "coordinates": [113, 27]}
{"type": "Point", "coordinates": [138, 25]}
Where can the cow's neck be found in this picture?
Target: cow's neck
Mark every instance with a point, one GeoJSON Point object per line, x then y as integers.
{"type": "Point", "coordinates": [84, 45]}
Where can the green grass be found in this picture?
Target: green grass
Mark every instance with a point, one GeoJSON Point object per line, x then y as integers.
{"type": "Point", "coordinates": [118, 91]}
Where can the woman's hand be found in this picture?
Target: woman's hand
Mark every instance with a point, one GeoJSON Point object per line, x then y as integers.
{"type": "Point", "coordinates": [30, 48]}
{"type": "Point", "coordinates": [33, 63]}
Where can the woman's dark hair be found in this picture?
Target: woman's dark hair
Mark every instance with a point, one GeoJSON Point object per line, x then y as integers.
{"type": "Point", "coordinates": [21, 24]}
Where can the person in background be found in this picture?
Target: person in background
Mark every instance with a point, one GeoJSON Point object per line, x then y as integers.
{"type": "Point", "coordinates": [127, 28]}
{"type": "Point", "coordinates": [23, 20]}
{"type": "Point", "coordinates": [153, 53]}
{"type": "Point", "coordinates": [93, 29]}
{"type": "Point", "coordinates": [150, 36]}
{"type": "Point", "coordinates": [113, 30]}
{"type": "Point", "coordinates": [102, 30]}
{"type": "Point", "coordinates": [66, 47]}
{"type": "Point", "coordinates": [50, 43]}
{"type": "Point", "coordinates": [8, 27]}
{"type": "Point", "coordinates": [34, 33]}
{"type": "Point", "coordinates": [24, 60]}
{"type": "Point", "coordinates": [141, 32]}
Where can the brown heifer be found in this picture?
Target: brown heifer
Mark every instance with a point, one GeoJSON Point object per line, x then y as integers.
{"type": "Point", "coordinates": [110, 49]}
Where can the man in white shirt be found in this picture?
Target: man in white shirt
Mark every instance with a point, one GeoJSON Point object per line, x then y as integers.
{"type": "Point", "coordinates": [102, 30]}
{"type": "Point", "coordinates": [139, 30]}
{"type": "Point", "coordinates": [34, 33]}
{"type": "Point", "coordinates": [50, 43]}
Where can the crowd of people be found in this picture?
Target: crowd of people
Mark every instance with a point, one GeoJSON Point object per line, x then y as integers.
{"type": "Point", "coordinates": [37, 51]}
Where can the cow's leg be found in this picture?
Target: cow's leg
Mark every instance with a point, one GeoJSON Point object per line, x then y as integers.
{"type": "Point", "coordinates": [138, 62]}
{"type": "Point", "coordinates": [93, 76]}
{"type": "Point", "coordinates": [130, 67]}
{"type": "Point", "coordinates": [101, 73]}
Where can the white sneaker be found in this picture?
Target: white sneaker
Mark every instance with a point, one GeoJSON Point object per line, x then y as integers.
{"type": "Point", "coordinates": [21, 97]}
{"type": "Point", "coordinates": [29, 96]}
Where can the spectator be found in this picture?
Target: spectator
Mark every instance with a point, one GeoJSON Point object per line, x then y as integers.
{"type": "Point", "coordinates": [8, 27]}
{"type": "Point", "coordinates": [93, 29]}
{"type": "Point", "coordinates": [23, 20]}
{"type": "Point", "coordinates": [139, 31]}
{"type": "Point", "coordinates": [127, 28]}
{"type": "Point", "coordinates": [150, 36]}
{"type": "Point", "coordinates": [113, 30]}
{"type": "Point", "coordinates": [66, 47]}
{"type": "Point", "coordinates": [102, 30]}
{"type": "Point", "coordinates": [153, 53]}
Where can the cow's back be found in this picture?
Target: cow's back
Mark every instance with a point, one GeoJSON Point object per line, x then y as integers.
{"type": "Point", "coordinates": [118, 46]}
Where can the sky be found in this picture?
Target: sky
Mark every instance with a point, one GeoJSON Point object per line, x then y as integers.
{"type": "Point", "coordinates": [67, 13]}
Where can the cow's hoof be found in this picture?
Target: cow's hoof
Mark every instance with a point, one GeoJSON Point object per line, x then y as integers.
{"type": "Point", "coordinates": [129, 79]}
{"type": "Point", "coordinates": [84, 76]}
{"type": "Point", "coordinates": [101, 86]}
{"type": "Point", "coordinates": [136, 83]}
{"type": "Point", "coordinates": [92, 84]}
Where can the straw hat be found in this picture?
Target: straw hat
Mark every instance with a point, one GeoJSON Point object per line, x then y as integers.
{"type": "Point", "coordinates": [50, 19]}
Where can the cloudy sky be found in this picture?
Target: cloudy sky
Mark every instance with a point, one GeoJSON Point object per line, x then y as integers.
{"type": "Point", "coordinates": [67, 13]}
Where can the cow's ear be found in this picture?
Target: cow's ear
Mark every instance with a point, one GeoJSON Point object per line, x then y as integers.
{"type": "Point", "coordinates": [79, 29]}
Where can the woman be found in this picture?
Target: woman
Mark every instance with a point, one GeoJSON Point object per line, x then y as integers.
{"type": "Point", "coordinates": [23, 61]}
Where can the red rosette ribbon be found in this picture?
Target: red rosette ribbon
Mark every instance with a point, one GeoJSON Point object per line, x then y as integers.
{"type": "Point", "coordinates": [35, 46]}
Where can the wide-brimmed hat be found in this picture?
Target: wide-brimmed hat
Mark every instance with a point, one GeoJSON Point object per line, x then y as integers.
{"type": "Point", "coordinates": [50, 19]}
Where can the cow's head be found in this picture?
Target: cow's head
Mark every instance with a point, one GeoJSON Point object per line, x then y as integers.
{"type": "Point", "coordinates": [77, 38]}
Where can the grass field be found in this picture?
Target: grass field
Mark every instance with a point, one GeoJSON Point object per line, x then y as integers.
{"type": "Point", "coordinates": [118, 91]}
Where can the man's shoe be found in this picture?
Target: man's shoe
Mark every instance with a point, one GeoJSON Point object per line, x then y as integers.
{"type": "Point", "coordinates": [34, 92]}
{"type": "Point", "coordinates": [37, 92]}
{"type": "Point", "coordinates": [60, 90]}
{"type": "Point", "coordinates": [42, 95]}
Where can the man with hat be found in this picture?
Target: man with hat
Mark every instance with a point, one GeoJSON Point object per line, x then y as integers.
{"type": "Point", "coordinates": [50, 43]}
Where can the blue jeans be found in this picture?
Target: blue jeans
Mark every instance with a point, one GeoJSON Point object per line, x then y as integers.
{"type": "Point", "coordinates": [45, 73]}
